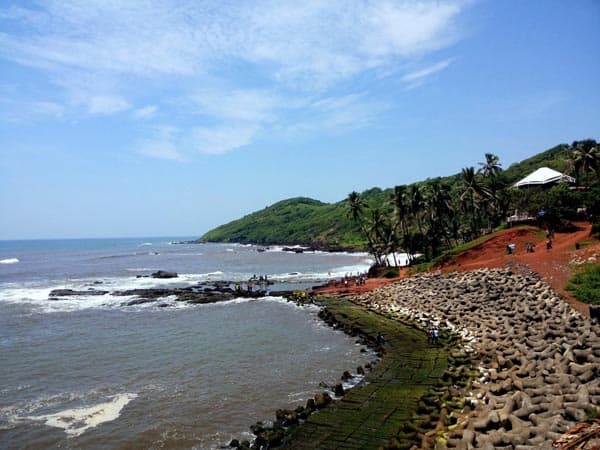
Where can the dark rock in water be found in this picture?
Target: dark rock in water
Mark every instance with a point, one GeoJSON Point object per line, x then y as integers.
{"type": "Point", "coordinates": [164, 274]}
{"type": "Point", "coordinates": [338, 390]}
{"type": "Point", "coordinates": [140, 301]}
{"type": "Point", "coordinates": [322, 399]}
{"type": "Point", "coordinates": [71, 292]}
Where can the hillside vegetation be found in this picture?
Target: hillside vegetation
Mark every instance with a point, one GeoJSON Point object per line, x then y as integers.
{"type": "Point", "coordinates": [469, 202]}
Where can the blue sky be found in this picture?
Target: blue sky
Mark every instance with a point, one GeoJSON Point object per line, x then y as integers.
{"type": "Point", "coordinates": [172, 117]}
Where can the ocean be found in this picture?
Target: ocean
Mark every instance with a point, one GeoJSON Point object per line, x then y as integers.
{"type": "Point", "coordinates": [91, 372]}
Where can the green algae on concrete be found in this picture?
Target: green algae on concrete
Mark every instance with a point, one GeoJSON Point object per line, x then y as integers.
{"type": "Point", "coordinates": [370, 415]}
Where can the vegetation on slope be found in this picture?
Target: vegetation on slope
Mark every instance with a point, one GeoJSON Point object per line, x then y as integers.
{"type": "Point", "coordinates": [429, 216]}
{"type": "Point", "coordinates": [585, 285]}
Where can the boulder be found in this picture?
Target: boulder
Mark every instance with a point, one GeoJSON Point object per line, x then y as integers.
{"type": "Point", "coordinates": [164, 274]}
{"type": "Point", "coordinates": [322, 399]}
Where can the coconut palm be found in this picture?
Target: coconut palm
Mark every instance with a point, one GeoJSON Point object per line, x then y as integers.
{"type": "Point", "coordinates": [585, 157]}
{"type": "Point", "coordinates": [416, 204]}
{"type": "Point", "coordinates": [400, 208]}
{"type": "Point", "coordinates": [355, 206]}
{"type": "Point", "coordinates": [491, 167]}
{"type": "Point", "coordinates": [438, 211]}
{"type": "Point", "coordinates": [474, 198]}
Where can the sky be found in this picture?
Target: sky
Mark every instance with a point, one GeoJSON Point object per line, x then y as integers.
{"type": "Point", "coordinates": [169, 118]}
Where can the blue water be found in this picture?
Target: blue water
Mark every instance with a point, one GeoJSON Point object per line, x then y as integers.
{"type": "Point", "coordinates": [91, 372]}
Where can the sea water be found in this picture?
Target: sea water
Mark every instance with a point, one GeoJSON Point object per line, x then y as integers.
{"type": "Point", "coordinates": [92, 372]}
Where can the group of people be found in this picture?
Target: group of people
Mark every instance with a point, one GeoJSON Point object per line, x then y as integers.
{"type": "Point", "coordinates": [530, 246]}
{"type": "Point", "coordinates": [358, 280]}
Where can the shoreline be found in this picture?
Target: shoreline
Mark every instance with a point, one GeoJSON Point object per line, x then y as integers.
{"type": "Point", "coordinates": [538, 359]}
{"type": "Point", "coordinates": [521, 366]}
{"type": "Point", "coordinates": [369, 415]}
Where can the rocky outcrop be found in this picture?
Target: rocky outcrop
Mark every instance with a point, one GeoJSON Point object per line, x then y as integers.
{"type": "Point", "coordinates": [164, 274]}
{"type": "Point", "coordinates": [538, 360]}
{"type": "Point", "coordinates": [70, 292]}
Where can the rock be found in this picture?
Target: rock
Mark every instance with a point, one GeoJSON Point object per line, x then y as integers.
{"type": "Point", "coordinates": [338, 390]}
{"type": "Point", "coordinates": [164, 274]}
{"type": "Point", "coordinates": [71, 292]}
{"type": "Point", "coordinates": [322, 399]}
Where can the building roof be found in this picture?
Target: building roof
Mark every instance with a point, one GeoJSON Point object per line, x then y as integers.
{"type": "Point", "coordinates": [542, 177]}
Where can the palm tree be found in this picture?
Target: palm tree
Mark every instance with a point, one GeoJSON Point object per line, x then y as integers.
{"type": "Point", "coordinates": [400, 208]}
{"type": "Point", "coordinates": [438, 212]}
{"type": "Point", "coordinates": [402, 221]}
{"type": "Point", "coordinates": [355, 205]}
{"type": "Point", "coordinates": [379, 232]}
{"type": "Point", "coordinates": [585, 157]}
{"type": "Point", "coordinates": [355, 211]}
{"type": "Point", "coordinates": [415, 204]}
{"type": "Point", "coordinates": [491, 167]}
{"type": "Point", "coordinates": [473, 198]}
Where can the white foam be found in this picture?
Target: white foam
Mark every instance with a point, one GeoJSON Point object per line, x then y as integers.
{"type": "Point", "coordinates": [78, 420]}
{"type": "Point", "coordinates": [145, 244]}
{"type": "Point", "coordinates": [9, 261]}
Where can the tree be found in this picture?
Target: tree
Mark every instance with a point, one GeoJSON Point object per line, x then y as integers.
{"type": "Point", "coordinates": [355, 205]}
{"type": "Point", "coordinates": [355, 211]}
{"type": "Point", "coordinates": [491, 167]}
{"type": "Point", "coordinates": [438, 211]}
{"type": "Point", "coordinates": [474, 196]}
{"type": "Point", "coordinates": [585, 157]}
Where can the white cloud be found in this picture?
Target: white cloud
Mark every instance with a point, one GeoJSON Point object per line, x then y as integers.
{"type": "Point", "coordinates": [223, 139]}
{"type": "Point", "coordinates": [147, 112]}
{"type": "Point", "coordinates": [161, 149]}
{"type": "Point", "coordinates": [426, 72]}
{"type": "Point", "coordinates": [163, 142]}
{"type": "Point", "coordinates": [105, 104]}
{"type": "Point", "coordinates": [237, 104]}
{"type": "Point", "coordinates": [233, 68]}
{"type": "Point", "coordinates": [13, 111]}
{"type": "Point", "coordinates": [322, 41]}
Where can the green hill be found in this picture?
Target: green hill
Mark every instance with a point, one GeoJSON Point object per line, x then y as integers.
{"type": "Point", "coordinates": [311, 222]}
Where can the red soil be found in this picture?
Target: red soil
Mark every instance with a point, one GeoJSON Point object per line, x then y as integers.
{"type": "Point", "coordinates": [555, 266]}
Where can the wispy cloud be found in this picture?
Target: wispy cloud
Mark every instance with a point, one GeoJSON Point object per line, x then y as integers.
{"type": "Point", "coordinates": [218, 140]}
{"type": "Point", "coordinates": [147, 112]}
{"type": "Point", "coordinates": [162, 143]}
{"type": "Point", "coordinates": [270, 58]}
{"type": "Point", "coordinates": [426, 72]}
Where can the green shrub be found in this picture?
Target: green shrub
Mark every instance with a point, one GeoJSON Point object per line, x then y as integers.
{"type": "Point", "coordinates": [585, 285]}
{"type": "Point", "coordinates": [391, 273]}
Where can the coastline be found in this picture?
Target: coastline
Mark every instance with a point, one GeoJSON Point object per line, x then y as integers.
{"type": "Point", "coordinates": [538, 359]}
{"type": "Point", "coordinates": [370, 414]}
{"type": "Point", "coordinates": [517, 366]}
